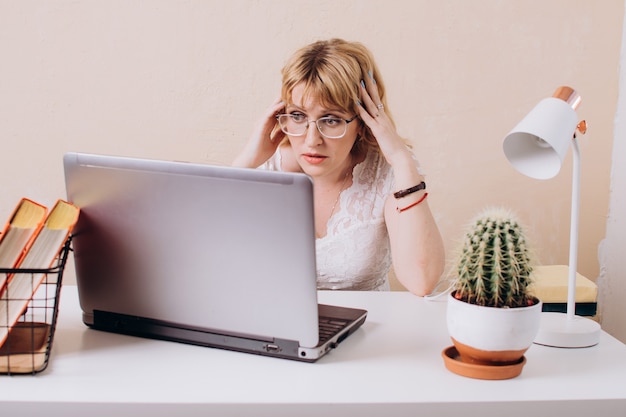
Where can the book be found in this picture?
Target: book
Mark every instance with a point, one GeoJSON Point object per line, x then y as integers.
{"type": "Point", "coordinates": [41, 254]}
{"type": "Point", "coordinates": [18, 233]}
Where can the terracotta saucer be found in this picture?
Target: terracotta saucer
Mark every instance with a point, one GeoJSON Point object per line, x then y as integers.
{"type": "Point", "coordinates": [471, 370]}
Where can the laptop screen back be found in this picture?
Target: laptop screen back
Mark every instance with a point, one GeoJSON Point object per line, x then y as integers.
{"type": "Point", "coordinates": [201, 246]}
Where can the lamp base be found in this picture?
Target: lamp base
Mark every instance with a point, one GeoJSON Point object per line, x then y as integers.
{"type": "Point", "coordinates": [557, 330]}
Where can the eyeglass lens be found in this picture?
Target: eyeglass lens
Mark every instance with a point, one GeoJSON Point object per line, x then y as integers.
{"type": "Point", "coordinates": [296, 125]}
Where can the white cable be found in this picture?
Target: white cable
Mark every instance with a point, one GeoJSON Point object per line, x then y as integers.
{"type": "Point", "coordinates": [435, 295]}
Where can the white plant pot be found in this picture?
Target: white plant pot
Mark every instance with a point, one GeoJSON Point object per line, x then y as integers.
{"type": "Point", "coordinates": [489, 334]}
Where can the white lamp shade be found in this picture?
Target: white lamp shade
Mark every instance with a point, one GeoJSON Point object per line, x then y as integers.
{"type": "Point", "coordinates": [537, 146]}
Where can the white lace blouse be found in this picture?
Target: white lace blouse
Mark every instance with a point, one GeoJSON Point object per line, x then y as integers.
{"type": "Point", "coordinates": [355, 254]}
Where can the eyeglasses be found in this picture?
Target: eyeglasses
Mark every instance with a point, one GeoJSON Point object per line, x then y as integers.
{"type": "Point", "coordinates": [296, 124]}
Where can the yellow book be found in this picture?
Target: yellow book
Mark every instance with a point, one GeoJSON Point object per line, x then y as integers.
{"type": "Point", "coordinates": [18, 233]}
{"type": "Point", "coordinates": [550, 285]}
{"type": "Point", "coordinates": [41, 254]}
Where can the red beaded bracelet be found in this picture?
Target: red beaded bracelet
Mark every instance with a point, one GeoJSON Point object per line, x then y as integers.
{"type": "Point", "coordinates": [400, 210]}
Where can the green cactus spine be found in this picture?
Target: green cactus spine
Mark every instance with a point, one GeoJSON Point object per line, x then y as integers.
{"type": "Point", "coordinates": [494, 265]}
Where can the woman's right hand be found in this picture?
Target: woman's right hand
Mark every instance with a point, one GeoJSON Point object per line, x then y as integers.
{"type": "Point", "coordinates": [264, 140]}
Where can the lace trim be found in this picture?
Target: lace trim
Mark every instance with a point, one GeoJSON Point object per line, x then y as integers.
{"type": "Point", "coordinates": [355, 254]}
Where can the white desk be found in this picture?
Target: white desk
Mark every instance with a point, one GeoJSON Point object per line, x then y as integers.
{"type": "Point", "coordinates": [390, 367]}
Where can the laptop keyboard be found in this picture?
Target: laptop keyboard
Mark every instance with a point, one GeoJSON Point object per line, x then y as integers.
{"type": "Point", "coordinates": [330, 327]}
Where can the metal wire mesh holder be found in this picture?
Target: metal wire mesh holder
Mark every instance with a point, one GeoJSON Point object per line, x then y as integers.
{"type": "Point", "coordinates": [27, 347]}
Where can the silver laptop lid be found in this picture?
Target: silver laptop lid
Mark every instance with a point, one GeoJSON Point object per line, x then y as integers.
{"type": "Point", "coordinates": [203, 246]}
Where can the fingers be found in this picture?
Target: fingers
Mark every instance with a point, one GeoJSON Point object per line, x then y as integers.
{"type": "Point", "coordinates": [269, 116]}
{"type": "Point", "coordinates": [268, 122]}
{"type": "Point", "coordinates": [370, 98]}
{"type": "Point", "coordinates": [372, 89]}
{"type": "Point", "coordinates": [276, 107]}
{"type": "Point", "coordinates": [276, 135]}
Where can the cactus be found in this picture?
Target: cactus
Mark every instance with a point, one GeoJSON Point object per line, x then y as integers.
{"type": "Point", "coordinates": [494, 265]}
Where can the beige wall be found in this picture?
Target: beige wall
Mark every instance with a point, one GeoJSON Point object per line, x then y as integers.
{"type": "Point", "coordinates": [612, 279]}
{"type": "Point", "coordinates": [186, 79]}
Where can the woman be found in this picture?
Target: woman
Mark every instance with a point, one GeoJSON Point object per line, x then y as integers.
{"type": "Point", "coordinates": [371, 209]}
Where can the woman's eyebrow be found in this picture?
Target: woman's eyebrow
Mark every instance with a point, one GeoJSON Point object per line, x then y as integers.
{"type": "Point", "coordinates": [292, 107]}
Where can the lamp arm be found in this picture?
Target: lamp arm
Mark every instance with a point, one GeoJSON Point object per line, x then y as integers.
{"type": "Point", "coordinates": [573, 248]}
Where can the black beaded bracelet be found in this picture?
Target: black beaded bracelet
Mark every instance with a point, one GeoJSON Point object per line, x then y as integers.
{"type": "Point", "coordinates": [403, 193]}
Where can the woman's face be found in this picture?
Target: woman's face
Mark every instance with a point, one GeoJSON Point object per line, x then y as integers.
{"type": "Point", "coordinates": [317, 155]}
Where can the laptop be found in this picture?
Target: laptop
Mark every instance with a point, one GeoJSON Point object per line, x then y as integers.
{"type": "Point", "coordinates": [202, 254]}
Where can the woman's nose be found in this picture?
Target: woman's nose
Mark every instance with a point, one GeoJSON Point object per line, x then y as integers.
{"type": "Point", "coordinates": [313, 136]}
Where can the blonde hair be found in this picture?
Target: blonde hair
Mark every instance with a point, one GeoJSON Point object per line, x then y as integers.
{"type": "Point", "coordinates": [332, 71]}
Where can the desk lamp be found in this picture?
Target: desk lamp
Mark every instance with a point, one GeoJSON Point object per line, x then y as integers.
{"type": "Point", "coordinates": [536, 147]}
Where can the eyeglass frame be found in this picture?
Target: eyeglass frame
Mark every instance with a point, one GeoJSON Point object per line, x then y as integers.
{"type": "Point", "coordinates": [308, 122]}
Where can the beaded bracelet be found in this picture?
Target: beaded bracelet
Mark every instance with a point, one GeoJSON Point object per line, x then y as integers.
{"type": "Point", "coordinates": [415, 188]}
{"type": "Point", "coordinates": [400, 210]}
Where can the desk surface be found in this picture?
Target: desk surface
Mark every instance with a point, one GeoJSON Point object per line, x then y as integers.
{"type": "Point", "coordinates": [391, 366]}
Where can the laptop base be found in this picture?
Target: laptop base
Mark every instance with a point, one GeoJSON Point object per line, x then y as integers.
{"type": "Point", "coordinates": [161, 330]}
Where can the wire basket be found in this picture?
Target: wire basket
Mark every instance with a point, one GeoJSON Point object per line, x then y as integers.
{"type": "Point", "coordinates": [27, 348]}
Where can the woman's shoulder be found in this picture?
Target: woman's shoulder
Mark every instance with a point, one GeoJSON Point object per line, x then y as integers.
{"type": "Point", "coordinates": [283, 160]}
{"type": "Point", "coordinates": [287, 158]}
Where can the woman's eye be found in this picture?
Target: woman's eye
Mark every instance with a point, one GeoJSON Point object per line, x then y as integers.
{"type": "Point", "coordinates": [332, 121]}
{"type": "Point", "coordinates": [298, 117]}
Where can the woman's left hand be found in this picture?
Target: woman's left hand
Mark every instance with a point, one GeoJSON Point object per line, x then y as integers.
{"type": "Point", "coordinates": [372, 112]}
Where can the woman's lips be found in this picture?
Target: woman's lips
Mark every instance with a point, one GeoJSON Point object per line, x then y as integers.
{"type": "Point", "coordinates": [313, 159]}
